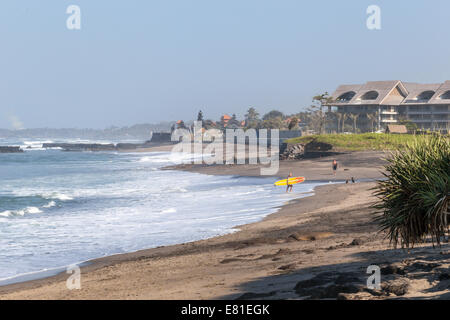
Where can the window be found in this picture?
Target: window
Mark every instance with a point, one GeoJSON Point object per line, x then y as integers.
{"type": "Point", "coordinates": [425, 96]}
{"type": "Point", "coordinates": [445, 95]}
{"type": "Point", "coordinates": [346, 96]}
{"type": "Point", "coordinates": [370, 95]}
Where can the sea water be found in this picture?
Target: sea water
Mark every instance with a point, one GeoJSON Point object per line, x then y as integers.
{"type": "Point", "coordinates": [58, 208]}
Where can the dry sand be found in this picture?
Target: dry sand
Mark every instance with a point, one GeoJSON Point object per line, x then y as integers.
{"type": "Point", "coordinates": [315, 247]}
{"type": "Point", "coordinates": [360, 165]}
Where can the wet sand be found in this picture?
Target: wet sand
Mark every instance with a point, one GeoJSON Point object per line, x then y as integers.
{"type": "Point", "coordinates": [317, 247]}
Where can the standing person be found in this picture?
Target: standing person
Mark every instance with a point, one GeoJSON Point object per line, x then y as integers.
{"type": "Point", "coordinates": [335, 165]}
{"type": "Point", "coordinates": [289, 186]}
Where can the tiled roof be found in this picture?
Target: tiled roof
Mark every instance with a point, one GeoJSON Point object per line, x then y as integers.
{"type": "Point", "coordinates": [436, 99]}
{"type": "Point", "coordinates": [392, 92]}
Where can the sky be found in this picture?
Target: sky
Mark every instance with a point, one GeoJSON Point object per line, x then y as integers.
{"type": "Point", "coordinates": [146, 61]}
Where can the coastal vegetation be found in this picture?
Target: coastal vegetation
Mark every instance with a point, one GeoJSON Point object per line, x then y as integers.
{"type": "Point", "coordinates": [321, 117]}
{"type": "Point", "coordinates": [415, 196]}
{"type": "Point", "coordinates": [364, 141]}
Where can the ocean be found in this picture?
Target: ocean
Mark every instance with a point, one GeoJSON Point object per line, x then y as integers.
{"type": "Point", "coordinates": [60, 208]}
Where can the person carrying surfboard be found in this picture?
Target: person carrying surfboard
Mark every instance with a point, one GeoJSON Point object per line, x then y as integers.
{"type": "Point", "coordinates": [290, 181]}
{"type": "Point", "coordinates": [289, 186]}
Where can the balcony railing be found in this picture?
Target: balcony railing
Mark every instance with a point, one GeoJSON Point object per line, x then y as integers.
{"type": "Point", "coordinates": [389, 120]}
{"type": "Point", "coordinates": [389, 112]}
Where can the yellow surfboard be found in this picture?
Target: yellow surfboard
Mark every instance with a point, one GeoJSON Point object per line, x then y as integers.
{"type": "Point", "coordinates": [293, 180]}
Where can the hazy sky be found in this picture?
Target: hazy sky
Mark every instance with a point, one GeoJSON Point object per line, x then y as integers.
{"type": "Point", "coordinates": [149, 61]}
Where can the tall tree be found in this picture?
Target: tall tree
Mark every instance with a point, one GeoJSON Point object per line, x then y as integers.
{"type": "Point", "coordinates": [293, 123]}
{"type": "Point", "coordinates": [373, 117]}
{"type": "Point", "coordinates": [200, 116]}
{"type": "Point", "coordinates": [354, 117]}
{"type": "Point", "coordinates": [344, 117]}
{"type": "Point", "coordinates": [303, 116]}
{"type": "Point", "coordinates": [319, 101]}
{"type": "Point", "coordinates": [273, 123]}
{"type": "Point", "coordinates": [338, 116]}
{"type": "Point", "coordinates": [273, 115]}
{"type": "Point", "coordinates": [252, 114]}
{"type": "Point", "coordinates": [233, 122]}
{"type": "Point", "coordinates": [252, 118]}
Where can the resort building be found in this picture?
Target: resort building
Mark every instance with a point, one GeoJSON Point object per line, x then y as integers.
{"type": "Point", "coordinates": [380, 103]}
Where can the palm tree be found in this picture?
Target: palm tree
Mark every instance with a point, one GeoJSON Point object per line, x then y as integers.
{"type": "Point", "coordinates": [339, 116]}
{"type": "Point", "coordinates": [319, 102]}
{"type": "Point", "coordinates": [344, 117]}
{"type": "Point", "coordinates": [354, 117]}
{"type": "Point", "coordinates": [200, 116]}
{"type": "Point", "coordinates": [373, 117]}
{"type": "Point", "coordinates": [251, 118]}
{"type": "Point", "coordinates": [293, 123]}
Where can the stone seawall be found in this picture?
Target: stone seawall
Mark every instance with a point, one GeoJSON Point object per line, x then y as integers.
{"type": "Point", "coordinates": [10, 149]}
{"type": "Point", "coordinates": [312, 149]}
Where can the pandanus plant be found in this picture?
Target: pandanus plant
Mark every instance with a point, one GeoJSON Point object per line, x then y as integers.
{"type": "Point", "coordinates": [415, 196]}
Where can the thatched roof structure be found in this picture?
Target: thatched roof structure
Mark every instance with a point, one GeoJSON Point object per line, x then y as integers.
{"type": "Point", "coordinates": [396, 128]}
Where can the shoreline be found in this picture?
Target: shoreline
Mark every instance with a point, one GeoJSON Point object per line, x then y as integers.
{"type": "Point", "coordinates": [57, 271]}
{"type": "Point", "coordinates": [329, 234]}
{"type": "Point", "coordinates": [58, 274]}
{"type": "Point", "coordinates": [240, 171]}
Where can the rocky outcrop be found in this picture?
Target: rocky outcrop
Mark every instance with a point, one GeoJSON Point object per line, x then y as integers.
{"type": "Point", "coordinates": [131, 146]}
{"type": "Point", "coordinates": [8, 149]}
{"type": "Point", "coordinates": [98, 146]}
{"type": "Point", "coordinates": [161, 137]}
{"type": "Point", "coordinates": [80, 146]}
{"type": "Point", "coordinates": [311, 149]}
{"type": "Point", "coordinates": [291, 152]}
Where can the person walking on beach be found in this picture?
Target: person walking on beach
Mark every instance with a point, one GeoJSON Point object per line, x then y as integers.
{"type": "Point", "coordinates": [289, 186]}
{"type": "Point", "coordinates": [335, 165]}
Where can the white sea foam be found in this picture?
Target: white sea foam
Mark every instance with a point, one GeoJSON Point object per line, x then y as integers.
{"type": "Point", "coordinates": [57, 196]}
{"type": "Point", "coordinates": [34, 145]}
{"type": "Point", "coordinates": [172, 157]}
{"type": "Point", "coordinates": [124, 203]}
{"type": "Point", "coordinates": [50, 204]}
{"type": "Point", "coordinates": [33, 210]}
{"type": "Point", "coordinates": [27, 210]}
{"type": "Point", "coordinates": [170, 210]}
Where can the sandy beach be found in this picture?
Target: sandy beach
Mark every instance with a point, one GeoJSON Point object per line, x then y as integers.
{"type": "Point", "coordinates": [317, 247]}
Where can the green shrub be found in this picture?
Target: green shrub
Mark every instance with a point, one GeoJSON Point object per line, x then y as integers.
{"type": "Point", "coordinates": [415, 197]}
{"type": "Point", "coordinates": [359, 142]}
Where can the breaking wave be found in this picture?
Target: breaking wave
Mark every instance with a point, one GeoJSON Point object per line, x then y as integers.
{"type": "Point", "coordinates": [27, 210]}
